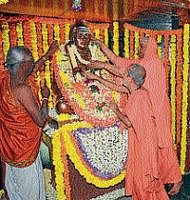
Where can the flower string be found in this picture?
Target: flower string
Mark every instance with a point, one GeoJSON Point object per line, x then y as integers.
{"type": "Point", "coordinates": [19, 30]}
{"type": "Point", "coordinates": [186, 34]}
{"type": "Point", "coordinates": [116, 37]}
{"type": "Point", "coordinates": [126, 43]}
{"type": "Point", "coordinates": [72, 151]}
{"type": "Point", "coordinates": [136, 45]}
{"type": "Point", "coordinates": [173, 83]}
{"type": "Point", "coordinates": [5, 38]}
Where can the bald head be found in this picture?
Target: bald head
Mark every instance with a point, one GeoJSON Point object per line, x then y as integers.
{"type": "Point", "coordinates": [137, 73]}
{"type": "Point", "coordinates": [16, 55]}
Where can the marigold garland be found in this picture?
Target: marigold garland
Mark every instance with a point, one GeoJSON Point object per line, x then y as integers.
{"type": "Point", "coordinates": [3, 1]}
{"type": "Point", "coordinates": [13, 35]}
{"type": "Point", "coordinates": [126, 43]}
{"type": "Point", "coordinates": [56, 29]}
{"type": "Point", "coordinates": [159, 40]}
{"type": "Point", "coordinates": [136, 45]}
{"type": "Point", "coordinates": [19, 30]}
{"type": "Point", "coordinates": [97, 33]}
{"type": "Point", "coordinates": [106, 39]}
{"type": "Point", "coordinates": [67, 30]}
{"type": "Point", "coordinates": [79, 164]}
{"type": "Point", "coordinates": [1, 52]}
{"type": "Point", "coordinates": [179, 88]}
{"type": "Point", "coordinates": [116, 38]}
{"type": "Point", "coordinates": [185, 96]}
{"type": "Point", "coordinates": [27, 34]}
{"type": "Point", "coordinates": [173, 83]}
{"type": "Point", "coordinates": [5, 38]}
{"type": "Point", "coordinates": [47, 63]}
{"type": "Point", "coordinates": [59, 167]}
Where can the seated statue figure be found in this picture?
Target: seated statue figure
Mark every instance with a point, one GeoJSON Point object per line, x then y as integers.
{"type": "Point", "coordinates": [103, 147]}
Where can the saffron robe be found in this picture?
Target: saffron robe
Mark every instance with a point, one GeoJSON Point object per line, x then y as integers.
{"type": "Point", "coordinates": [20, 137]}
{"type": "Point", "coordinates": [143, 179]}
{"type": "Point", "coordinates": [155, 83]}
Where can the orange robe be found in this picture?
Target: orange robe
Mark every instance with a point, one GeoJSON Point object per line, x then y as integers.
{"type": "Point", "coordinates": [143, 180]}
{"type": "Point", "coordinates": [20, 137]}
{"type": "Point", "coordinates": [155, 83]}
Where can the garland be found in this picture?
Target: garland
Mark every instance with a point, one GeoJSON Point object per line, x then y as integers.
{"type": "Point", "coordinates": [116, 38]}
{"type": "Point", "coordinates": [136, 45]}
{"type": "Point", "coordinates": [97, 33]}
{"type": "Point", "coordinates": [159, 40]}
{"type": "Point", "coordinates": [3, 1]}
{"type": "Point", "coordinates": [179, 88]}
{"type": "Point", "coordinates": [13, 35]}
{"type": "Point", "coordinates": [126, 43]}
{"type": "Point", "coordinates": [5, 38]}
{"type": "Point", "coordinates": [19, 30]}
{"type": "Point", "coordinates": [47, 63]}
{"type": "Point", "coordinates": [106, 39]}
{"type": "Point", "coordinates": [173, 83]}
{"type": "Point", "coordinates": [67, 30]}
{"type": "Point", "coordinates": [78, 162]}
{"type": "Point", "coordinates": [59, 166]}
{"type": "Point", "coordinates": [1, 52]}
{"type": "Point", "coordinates": [27, 34]}
{"type": "Point", "coordinates": [185, 95]}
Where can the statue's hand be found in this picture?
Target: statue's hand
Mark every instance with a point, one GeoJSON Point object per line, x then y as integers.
{"type": "Point", "coordinates": [95, 64]}
{"type": "Point", "coordinates": [89, 75]}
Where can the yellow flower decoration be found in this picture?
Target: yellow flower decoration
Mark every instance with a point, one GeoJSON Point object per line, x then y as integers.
{"type": "Point", "coordinates": [173, 83]}
{"type": "Point", "coordinates": [186, 34]}
{"type": "Point", "coordinates": [3, 1]}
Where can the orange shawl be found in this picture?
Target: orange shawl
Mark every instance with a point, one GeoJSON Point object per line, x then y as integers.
{"type": "Point", "coordinates": [155, 83]}
{"type": "Point", "coordinates": [19, 136]}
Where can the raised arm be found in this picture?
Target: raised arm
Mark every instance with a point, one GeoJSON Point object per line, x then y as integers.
{"type": "Point", "coordinates": [39, 63]}
{"type": "Point", "coordinates": [105, 82]}
{"type": "Point", "coordinates": [116, 60]}
{"type": "Point", "coordinates": [104, 65]}
{"type": "Point", "coordinates": [109, 53]}
{"type": "Point", "coordinates": [38, 113]}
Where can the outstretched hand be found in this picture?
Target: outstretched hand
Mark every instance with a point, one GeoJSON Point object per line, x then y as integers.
{"type": "Point", "coordinates": [95, 64]}
{"type": "Point", "coordinates": [52, 48]}
{"type": "Point", "coordinates": [89, 75]}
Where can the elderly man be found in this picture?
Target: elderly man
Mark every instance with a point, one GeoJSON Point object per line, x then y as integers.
{"type": "Point", "coordinates": [156, 85]}
{"type": "Point", "coordinates": [21, 119]}
{"type": "Point", "coordinates": [143, 180]}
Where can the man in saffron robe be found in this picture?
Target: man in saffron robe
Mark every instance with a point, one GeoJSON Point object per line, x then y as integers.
{"type": "Point", "coordinates": [143, 178]}
{"type": "Point", "coordinates": [21, 117]}
{"type": "Point", "coordinates": [156, 85]}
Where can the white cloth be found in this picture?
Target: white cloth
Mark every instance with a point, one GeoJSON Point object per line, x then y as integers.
{"type": "Point", "coordinates": [25, 183]}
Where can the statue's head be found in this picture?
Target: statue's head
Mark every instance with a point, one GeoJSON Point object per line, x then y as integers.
{"type": "Point", "coordinates": [80, 35]}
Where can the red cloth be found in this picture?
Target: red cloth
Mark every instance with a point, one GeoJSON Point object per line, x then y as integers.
{"type": "Point", "coordinates": [143, 179]}
{"type": "Point", "coordinates": [20, 137]}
